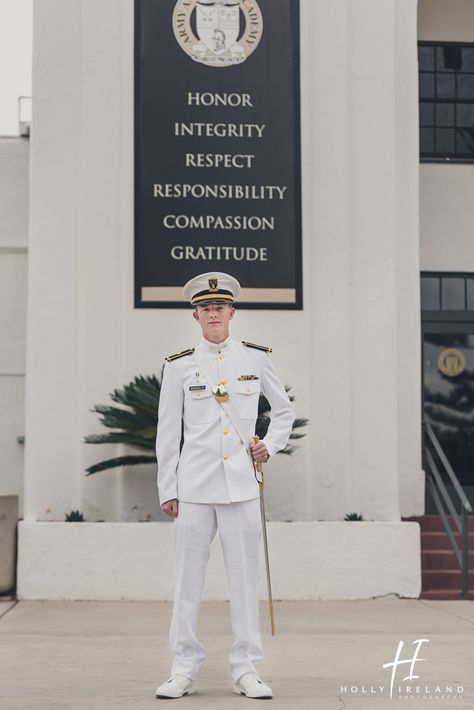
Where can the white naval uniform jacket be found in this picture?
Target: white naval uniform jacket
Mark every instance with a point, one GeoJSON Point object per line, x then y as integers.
{"type": "Point", "coordinates": [213, 466]}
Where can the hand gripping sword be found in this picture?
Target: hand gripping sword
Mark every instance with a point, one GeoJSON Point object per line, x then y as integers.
{"type": "Point", "coordinates": [259, 477]}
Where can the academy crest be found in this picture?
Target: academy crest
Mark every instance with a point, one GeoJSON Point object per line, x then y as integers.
{"type": "Point", "coordinates": [218, 33]}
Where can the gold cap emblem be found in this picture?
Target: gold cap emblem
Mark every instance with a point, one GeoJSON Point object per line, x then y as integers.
{"type": "Point", "coordinates": [212, 284]}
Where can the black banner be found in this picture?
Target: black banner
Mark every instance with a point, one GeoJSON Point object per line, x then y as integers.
{"type": "Point", "coordinates": [217, 149]}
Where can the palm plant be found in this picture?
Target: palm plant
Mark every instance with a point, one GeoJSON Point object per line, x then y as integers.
{"type": "Point", "coordinates": [75, 516]}
{"type": "Point", "coordinates": [134, 422]}
{"type": "Point", "coordinates": [353, 516]}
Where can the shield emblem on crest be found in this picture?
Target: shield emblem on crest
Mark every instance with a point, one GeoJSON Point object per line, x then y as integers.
{"type": "Point", "coordinates": [212, 284]}
{"type": "Point", "coordinates": [218, 26]}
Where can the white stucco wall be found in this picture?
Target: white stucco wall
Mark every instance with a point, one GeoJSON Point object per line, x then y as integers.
{"type": "Point", "coordinates": [411, 476]}
{"type": "Point", "coordinates": [328, 560]}
{"type": "Point", "coordinates": [446, 190]}
{"type": "Point", "coordinates": [346, 355]}
{"type": "Point", "coordinates": [14, 161]}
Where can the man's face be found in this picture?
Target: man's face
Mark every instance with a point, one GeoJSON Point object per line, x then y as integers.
{"type": "Point", "coordinates": [214, 320]}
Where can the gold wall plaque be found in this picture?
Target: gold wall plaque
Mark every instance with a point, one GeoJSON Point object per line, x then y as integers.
{"type": "Point", "coordinates": [451, 362]}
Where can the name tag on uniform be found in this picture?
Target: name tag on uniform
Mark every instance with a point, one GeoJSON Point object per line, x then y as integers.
{"type": "Point", "coordinates": [246, 378]}
{"type": "Point", "coordinates": [193, 388]}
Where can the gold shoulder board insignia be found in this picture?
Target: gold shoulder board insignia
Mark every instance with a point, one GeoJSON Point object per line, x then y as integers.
{"type": "Point", "coordinates": [170, 358]}
{"type": "Point", "coordinates": [258, 347]}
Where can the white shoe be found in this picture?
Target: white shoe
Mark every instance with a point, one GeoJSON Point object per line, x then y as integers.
{"type": "Point", "coordinates": [251, 686]}
{"type": "Point", "coordinates": [175, 687]}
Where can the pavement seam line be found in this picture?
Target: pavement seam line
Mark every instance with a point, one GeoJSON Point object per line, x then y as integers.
{"type": "Point", "coordinates": [448, 613]}
{"type": "Point", "coordinates": [15, 602]}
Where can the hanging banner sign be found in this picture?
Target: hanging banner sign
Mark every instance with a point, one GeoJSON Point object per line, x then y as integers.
{"type": "Point", "coordinates": [217, 149]}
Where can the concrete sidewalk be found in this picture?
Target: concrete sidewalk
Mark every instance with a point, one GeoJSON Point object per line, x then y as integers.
{"type": "Point", "coordinates": [112, 655]}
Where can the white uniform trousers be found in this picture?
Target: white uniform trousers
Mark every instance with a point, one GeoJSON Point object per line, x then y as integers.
{"type": "Point", "coordinates": [240, 529]}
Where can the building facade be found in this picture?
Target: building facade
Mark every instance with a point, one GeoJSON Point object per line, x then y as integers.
{"type": "Point", "coordinates": [374, 221]}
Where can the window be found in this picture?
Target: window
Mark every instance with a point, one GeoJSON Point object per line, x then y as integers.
{"type": "Point", "coordinates": [447, 292]}
{"type": "Point", "coordinates": [446, 97]}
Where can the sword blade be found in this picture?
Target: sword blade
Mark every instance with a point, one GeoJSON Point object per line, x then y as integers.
{"type": "Point", "coordinates": [267, 561]}
{"type": "Point", "coordinates": [259, 476]}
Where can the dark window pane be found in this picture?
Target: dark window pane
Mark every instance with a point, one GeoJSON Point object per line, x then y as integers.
{"type": "Point", "coordinates": [445, 140]}
{"type": "Point", "coordinates": [445, 114]}
{"type": "Point", "coordinates": [426, 85]}
{"type": "Point", "coordinates": [426, 58]}
{"type": "Point", "coordinates": [470, 294]}
{"type": "Point", "coordinates": [430, 293]}
{"type": "Point", "coordinates": [465, 141]}
{"type": "Point", "coordinates": [465, 115]}
{"type": "Point", "coordinates": [467, 59]}
{"type": "Point", "coordinates": [426, 140]}
{"type": "Point", "coordinates": [445, 86]}
{"type": "Point", "coordinates": [452, 290]}
{"type": "Point", "coordinates": [446, 100]}
{"type": "Point", "coordinates": [466, 86]}
{"type": "Point", "coordinates": [448, 58]}
{"type": "Point", "coordinates": [426, 114]}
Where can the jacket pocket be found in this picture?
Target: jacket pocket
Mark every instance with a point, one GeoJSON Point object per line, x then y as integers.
{"type": "Point", "coordinates": [199, 406]}
{"type": "Point", "coordinates": [247, 393]}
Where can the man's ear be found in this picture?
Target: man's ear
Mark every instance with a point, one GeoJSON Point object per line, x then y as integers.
{"type": "Point", "coordinates": [195, 315]}
{"type": "Point", "coordinates": [232, 311]}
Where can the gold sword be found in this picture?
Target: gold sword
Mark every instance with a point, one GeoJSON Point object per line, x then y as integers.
{"type": "Point", "coordinates": [259, 476]}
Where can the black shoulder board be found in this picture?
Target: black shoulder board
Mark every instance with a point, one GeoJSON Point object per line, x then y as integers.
{"type": "Point", "coordinates": [170, 358]}
{"type": "Point", "coordinates": [258, 347]}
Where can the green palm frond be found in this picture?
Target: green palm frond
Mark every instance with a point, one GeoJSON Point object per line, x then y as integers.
{"type": "Point", "coordinates": [119, 461]}
{"type": "Point", "coordinates": [123, 437]}
{"type": "Point", "coordinates": [300, 423]}
{"type": "Point", "coordinates": [353, 516]}
{"type": "Point", "coordinates": [75, 516]}
{"type": "Point", "coordinates": [143, 392]}
{"type": "Point", "coordinates": [135, 422]}
{"type": "Point", "coordinates": [122, 418]}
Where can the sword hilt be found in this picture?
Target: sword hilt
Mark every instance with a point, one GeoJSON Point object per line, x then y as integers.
{"type": "Point", "coordinates": [258, 464]}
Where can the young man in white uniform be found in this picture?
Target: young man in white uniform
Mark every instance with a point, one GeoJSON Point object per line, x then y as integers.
{"type": "Point", "coordinates": [210, 484]}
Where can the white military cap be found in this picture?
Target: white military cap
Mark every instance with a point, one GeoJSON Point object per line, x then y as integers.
{"type": "Point", "coordinates": [212, 287]}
